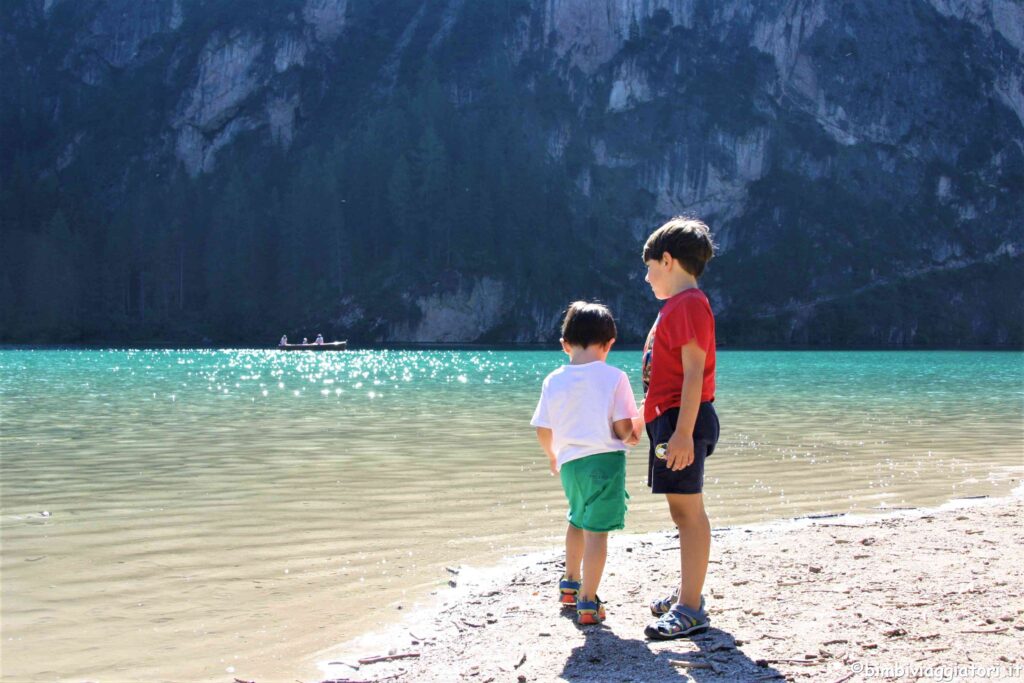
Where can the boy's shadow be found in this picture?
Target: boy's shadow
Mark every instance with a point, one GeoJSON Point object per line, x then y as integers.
{"type": "Point", "coordinates": [606, 656]}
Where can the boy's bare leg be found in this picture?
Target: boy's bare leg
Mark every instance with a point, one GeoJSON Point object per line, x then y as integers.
{"type": "Point", "coordinates": [594, 555]}
{"type": "Point", "coordinates": [694, 544]}
{"type": "Point", "coordinates": [574, 544]}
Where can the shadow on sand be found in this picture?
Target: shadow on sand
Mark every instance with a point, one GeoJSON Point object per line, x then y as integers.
{"type": "Point", "coordinates": [711, 656]}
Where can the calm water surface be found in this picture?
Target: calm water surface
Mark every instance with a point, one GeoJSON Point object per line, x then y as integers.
{"type": "Point", "coordinates": [234, 513]}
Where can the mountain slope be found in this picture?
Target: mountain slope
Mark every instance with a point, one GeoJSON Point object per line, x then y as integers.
{"type": "Point", "coordinates": [456, 171]}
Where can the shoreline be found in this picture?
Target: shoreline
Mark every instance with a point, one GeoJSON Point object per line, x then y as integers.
{"type": "Point", "coordinates": [826, 597]}
{"type": "Point", "coordinates": [467, 346]}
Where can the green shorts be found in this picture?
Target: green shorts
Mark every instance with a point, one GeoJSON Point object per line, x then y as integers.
{"type": "Point", "coordinates": [596, 488]}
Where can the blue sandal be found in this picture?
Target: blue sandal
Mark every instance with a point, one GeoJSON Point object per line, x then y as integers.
{"type": "Point", "coordinates": [568, 589]}
{"type": "Point", "coordinates": [662, 606]}
{"type": "Point", "coordinates": [678, 622]}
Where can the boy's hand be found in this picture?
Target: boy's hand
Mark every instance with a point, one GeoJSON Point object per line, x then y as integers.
{"type": "Point", "coordinates": [680, 446]}
{"type": "Point", "coordinates": [636, 429]}
{"type": "Point", "coordinates": [545, 436]}
{"type": "Point", "coordinates": [680, 451]}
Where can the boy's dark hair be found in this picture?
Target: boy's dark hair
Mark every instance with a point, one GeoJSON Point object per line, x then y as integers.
{"type": "Point", "coordinates": [687, 240]}
{"type": "Point", "coordinates": [588, 323]}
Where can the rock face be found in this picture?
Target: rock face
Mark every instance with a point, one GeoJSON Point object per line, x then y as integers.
{"type": "Point", "coordinates": [210, 112]}
{"type": "Point", "coordinates": [589, 33]}
{"type": "Point", "coordinates": [1003, 17]}
{"type": "Point", "coordinates": [841, 151]}
{"type": "Point", "coordinates": [225, 78]}
{"type": "Point", "coordinates": [326, 16]}
{"type": "Point", "coordinates": [290, 51]}
{"type": "Point", "coordinates": [120, 29]}
{"type": "Point", "coordinates": [459, 315]}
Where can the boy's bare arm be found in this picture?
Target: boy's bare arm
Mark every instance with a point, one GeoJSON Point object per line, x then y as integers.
{"type": "Point", "coordinates": [545, 436]}
{"type": "Point", "coordinates": [625, 430]}
{"type": "Point", "coordinates": [680, 446]}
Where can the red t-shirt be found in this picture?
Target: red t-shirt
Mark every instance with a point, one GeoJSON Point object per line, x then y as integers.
{"type": "Point", "coordinates": [685, 316]}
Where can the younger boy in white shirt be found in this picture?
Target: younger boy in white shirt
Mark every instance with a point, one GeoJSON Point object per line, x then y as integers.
{"type": "Point", "coordinates": [585, 420]}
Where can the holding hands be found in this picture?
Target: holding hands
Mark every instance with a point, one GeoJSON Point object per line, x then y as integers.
{"type": "Point", "coordinates": [637, 429]}
{"type": "Point", "coordinates": [628, 430]}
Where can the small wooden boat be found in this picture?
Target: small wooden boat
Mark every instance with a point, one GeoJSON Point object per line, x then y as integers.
{"type": "Point", "coordinates": [326, 346]}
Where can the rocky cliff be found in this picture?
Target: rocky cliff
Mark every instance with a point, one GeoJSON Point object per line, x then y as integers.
{"type": "Point", "coordinates": [862, 163]}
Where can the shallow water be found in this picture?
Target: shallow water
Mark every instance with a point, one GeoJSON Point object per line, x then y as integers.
{"type": "Point", "coordinates": [232, 513]}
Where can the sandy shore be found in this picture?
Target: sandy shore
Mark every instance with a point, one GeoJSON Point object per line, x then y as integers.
{"type": "Point", "coordinates": [914, 595]}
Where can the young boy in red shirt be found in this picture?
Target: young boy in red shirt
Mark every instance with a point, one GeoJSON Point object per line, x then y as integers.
{"type": "Point", "coordinates": [679, 387]}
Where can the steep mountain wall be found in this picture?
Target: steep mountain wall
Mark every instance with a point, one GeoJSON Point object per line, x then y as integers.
{"type": "Point", "coordinates": [861, 163]}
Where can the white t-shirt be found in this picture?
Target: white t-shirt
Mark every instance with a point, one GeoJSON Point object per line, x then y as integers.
{"type": "Point", "coordinates": [578, 403]}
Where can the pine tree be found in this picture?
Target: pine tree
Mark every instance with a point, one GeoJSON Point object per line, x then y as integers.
{"type": "Point", "coordinates": [401, 209]}
{"type": "Point", "coordinates": [51, 286]}
{"type": "Point", "coordinates": [431, 195]}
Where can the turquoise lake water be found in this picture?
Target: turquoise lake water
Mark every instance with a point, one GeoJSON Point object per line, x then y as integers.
{"type": "Point", "coordinates": [198, 515]}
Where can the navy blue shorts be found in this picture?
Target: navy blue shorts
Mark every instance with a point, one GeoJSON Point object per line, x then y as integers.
{"type": "Point", "coordinates": [690, 479]}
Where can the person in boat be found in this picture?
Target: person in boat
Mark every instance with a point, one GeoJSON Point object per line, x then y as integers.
{"type": "Point", "coordinates": [305, 340]}
{"type": "Point", "coordinates": [319, 339]}
{"type": "Point", "coordinates": [284, 340]}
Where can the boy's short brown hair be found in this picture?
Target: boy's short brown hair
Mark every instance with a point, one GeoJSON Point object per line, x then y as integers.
{"type": "Point", "coordinates": [687, 240]}
{"type": "Point", "coordinates": [588, 323]}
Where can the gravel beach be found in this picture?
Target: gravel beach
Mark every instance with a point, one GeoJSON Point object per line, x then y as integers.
{"type": "Point", "coordinates": [908, 595]}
